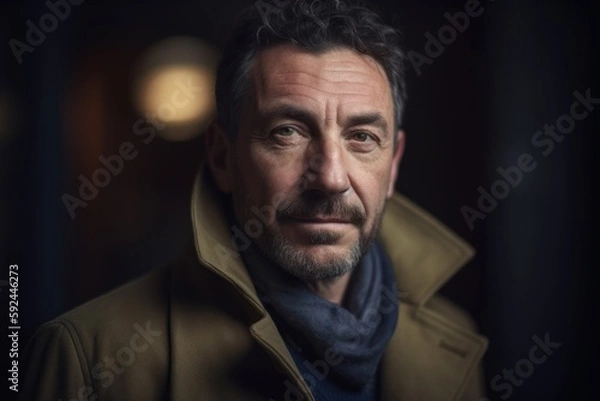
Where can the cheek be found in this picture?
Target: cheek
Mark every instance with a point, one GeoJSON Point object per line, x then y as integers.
{"type": "Point", "coordinates": [372, 201]}
{"type": "Point", "coordinates": [371, 187]}
{"type": "Point", "coordinates": [267, 180]}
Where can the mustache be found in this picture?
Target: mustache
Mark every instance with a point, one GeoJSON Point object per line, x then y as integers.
{"type": "Point", "coordinates": [310, 205]}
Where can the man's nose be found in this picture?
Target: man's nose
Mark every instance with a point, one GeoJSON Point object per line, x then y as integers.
{"type": "Point", "coordinates": [326, 170]}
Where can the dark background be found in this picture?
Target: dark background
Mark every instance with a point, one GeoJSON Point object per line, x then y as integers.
{"type": "Point", "coordinates": [473, 109]}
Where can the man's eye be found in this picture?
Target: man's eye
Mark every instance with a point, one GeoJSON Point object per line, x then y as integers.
{"type": "Point", "coordinates": [362, 136]}
{"type": "Point", "coordinates": [287, 136]}
{"type": "Point", "coordinates": [285, 131]}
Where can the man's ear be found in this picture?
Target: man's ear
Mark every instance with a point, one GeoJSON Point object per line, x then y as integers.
{"type": "Point", "coordinates": [396, 158]}
{"type": "Point", "coordinates": [218, 154]}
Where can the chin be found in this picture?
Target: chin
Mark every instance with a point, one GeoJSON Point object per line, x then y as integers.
{"type": "Point", "coordinates": [324, 254]}
{"type": "Point", "coordinates": [312, 254]}
{"type": "Point", "coordinates": [318, 262]}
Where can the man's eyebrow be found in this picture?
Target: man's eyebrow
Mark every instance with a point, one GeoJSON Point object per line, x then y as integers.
{"type": "Point", "coordinates": [375, 119]}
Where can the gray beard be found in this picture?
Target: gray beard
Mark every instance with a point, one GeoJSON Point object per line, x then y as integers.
{"type": "Point", "coordinates": [279, 250]}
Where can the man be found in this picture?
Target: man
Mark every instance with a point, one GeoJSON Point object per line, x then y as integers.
{"type": "Point", "coordinates": [301, 285]}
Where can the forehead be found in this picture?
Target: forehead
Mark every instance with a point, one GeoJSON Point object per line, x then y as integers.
{"type": "Point", "coordinates": [339, 75]}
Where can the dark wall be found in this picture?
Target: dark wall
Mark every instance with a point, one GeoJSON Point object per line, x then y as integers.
{"type": "Point", "coordinates": [475, 107]}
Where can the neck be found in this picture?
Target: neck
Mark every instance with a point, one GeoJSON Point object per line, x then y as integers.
{"type": "Point", "coordinates": [333, 290]}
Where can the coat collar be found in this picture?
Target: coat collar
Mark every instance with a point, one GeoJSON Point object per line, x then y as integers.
{"type": "Point", "coordinates": [425, 254]}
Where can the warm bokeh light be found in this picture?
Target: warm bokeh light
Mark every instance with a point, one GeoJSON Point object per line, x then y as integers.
{"type": "Point", "coordinates": [163, 95]}
{"type": "Point", "coordinates": [175, 87]}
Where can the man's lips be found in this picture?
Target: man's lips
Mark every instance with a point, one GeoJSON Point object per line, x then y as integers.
{"type": "Point", "coordinates": [320, 219]}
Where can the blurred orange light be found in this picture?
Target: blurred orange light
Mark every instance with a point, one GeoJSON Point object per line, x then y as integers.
{"type": "Point", "coordinates": [175, 87]}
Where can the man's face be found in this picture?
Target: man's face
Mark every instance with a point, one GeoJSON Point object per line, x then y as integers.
{"type": "Point", "coordinates": [316, 146]}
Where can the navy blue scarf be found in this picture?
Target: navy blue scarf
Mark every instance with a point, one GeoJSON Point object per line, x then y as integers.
{"type": "Point", "coordinates": [350, 339]}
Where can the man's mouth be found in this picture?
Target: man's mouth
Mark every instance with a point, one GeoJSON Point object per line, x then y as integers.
{"type": "Point", "coordinates": [320, 219]}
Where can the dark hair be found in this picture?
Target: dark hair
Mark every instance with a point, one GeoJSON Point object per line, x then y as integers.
{"type": "Point", "coordinates": [314, 25]}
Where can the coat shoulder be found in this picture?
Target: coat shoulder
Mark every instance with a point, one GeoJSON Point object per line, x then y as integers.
{"type": "Point", "coordinates": [98, 348]}
{"type": "Point", "coordinates": [142, 296]}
